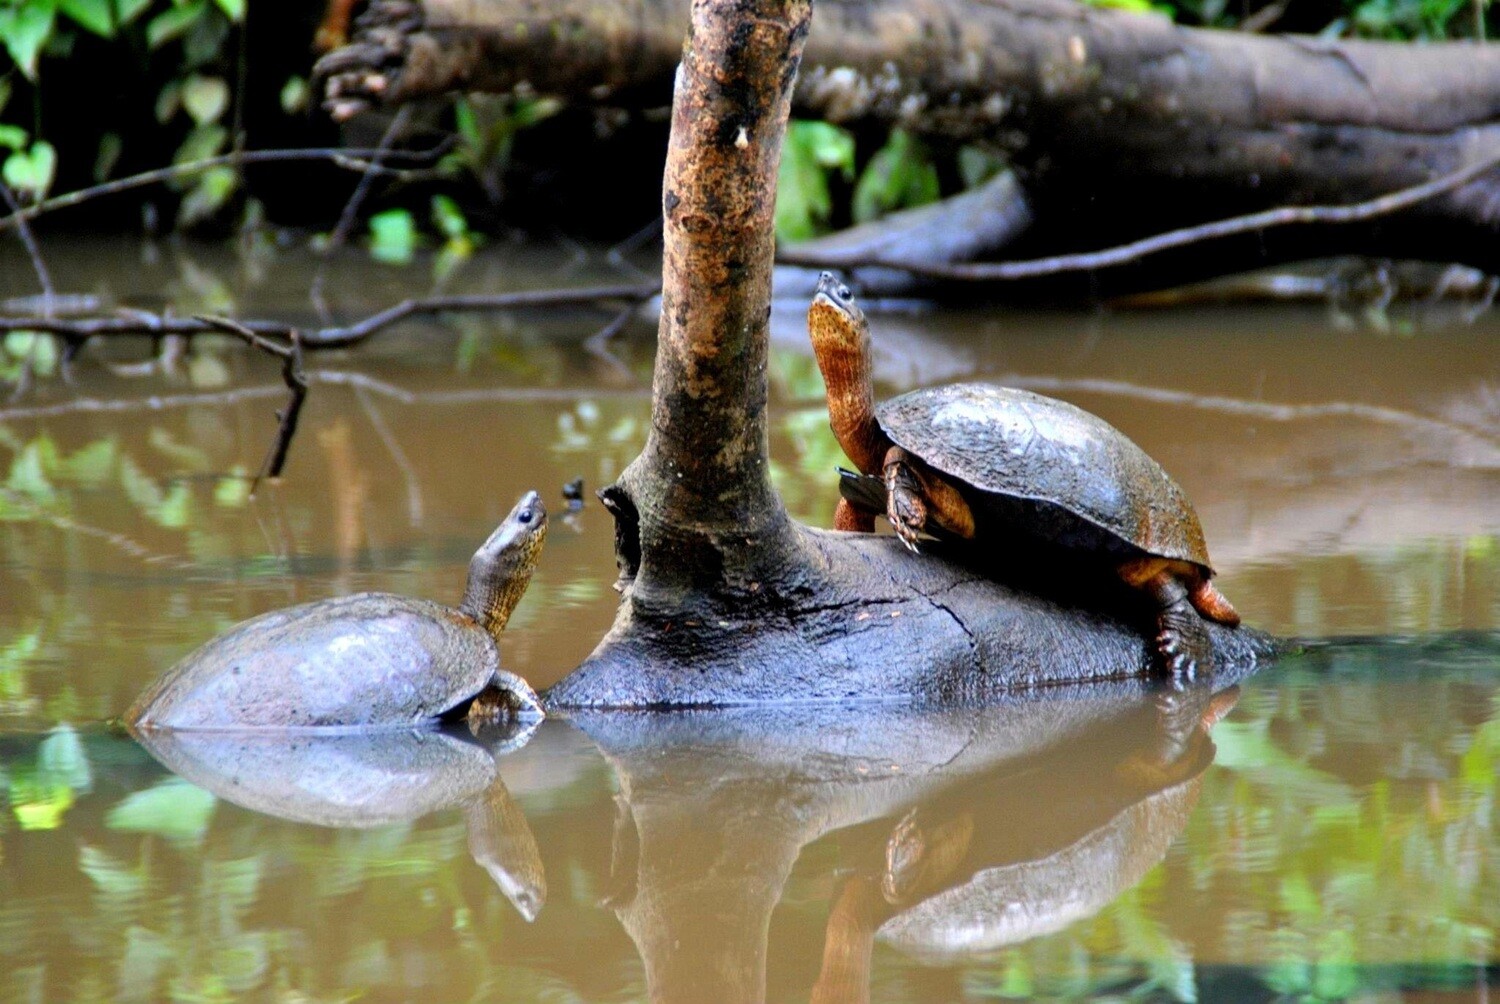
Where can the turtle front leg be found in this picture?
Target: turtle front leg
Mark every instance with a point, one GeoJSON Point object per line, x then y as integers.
{"type": "Point", "coordinates": [905, 506]}
{"type": "Point", "coordinates": [1182, 643]}
{"type": "Point", "coordinates": [506, 698]}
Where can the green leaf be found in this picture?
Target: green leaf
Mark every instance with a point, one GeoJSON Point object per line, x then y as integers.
{"type": "Point", "coordinates": [205, 98]}
{"type": "Point", "coordinates": [208, 196]}
{"type": "Point", "coordinates": [900, 175]}
{"type": "Point", "coordinates": [40, 348]}
{"type": "Point", "coordinates": [25, 29]}
{"type": "Point", "coordinates": [176, 509]}
{"type": "Point", "coordinates": [174, 809]}
{"type": "Point", "coordinates": [393, 237]}
{"type": "Point", "coordinates": [110, 876]}
{"type": "Point", "coordinates": [448, 218]}
{"type": "Point", "coordinates": [168, 101]}
{"type": "Point", "coordinates": [203, 142]}
{"type": "Point", "coordinates": [142, 492]}
{"type": "Point", "coordinates": [31, 171]}
{"type": "Point", "coordinates": [13, 137]}
{"type": "Point", "coordinates": [60, 759]}
{"type": "Point", "coordinates": [173, 22]}
{"type": "Point", "coordinates": [295, 95]}
{"type": "Point", "coordinates": [110, 148]}
{"type": "Point", "coordinates": [91, 465]}
{"type": "Point", "coordinates": [96, 16]}
{"type": "Point", "coordinates": [127, 11]}
{"type": "Point", "coordinates": [233, 9]}
{"type": "Point", "coordinates": [28, 475]}
{"type": "Point", "coordinates": [232, 491]}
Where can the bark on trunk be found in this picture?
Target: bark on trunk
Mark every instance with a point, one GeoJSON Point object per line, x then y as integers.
{"type": "Point", "coordinates": [1122, 119]}
{"type": "Point", "coordinates": [726, 600]}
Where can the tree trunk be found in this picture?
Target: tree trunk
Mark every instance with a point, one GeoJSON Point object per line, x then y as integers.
{"type": "Point", "coordinates": [1123, 123]}
{"type": "Point", "coordinates": [726, 600]}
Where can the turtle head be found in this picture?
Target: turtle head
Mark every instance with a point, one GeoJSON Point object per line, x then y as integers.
{"type": "Point", "coordinates": [841, 341]}
{"type": "Point", "coordinates": [501, 569]}
{"type": "Point", "coordinates": [834, 321]}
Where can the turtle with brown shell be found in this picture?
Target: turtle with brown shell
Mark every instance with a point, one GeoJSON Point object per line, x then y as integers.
{"type": "Point", "coordinates": [996, 465]}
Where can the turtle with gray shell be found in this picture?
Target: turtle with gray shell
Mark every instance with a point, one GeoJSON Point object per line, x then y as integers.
{"type": "Point", "coordinates": [364, 661]}
{"type": "Point", "coordinates": [1001, 466]}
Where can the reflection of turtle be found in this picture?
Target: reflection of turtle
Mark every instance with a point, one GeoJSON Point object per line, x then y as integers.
{"type": "Point", "coordinates": [368, 779]}
{"type": "Point", "coordinates": [371, 659]}
{"type": "Point", "coordinates": [918, 856]}
{"type": "Point", "coordinates": [1008, 467]}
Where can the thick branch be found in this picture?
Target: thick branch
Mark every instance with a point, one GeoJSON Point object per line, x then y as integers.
{"type": "Point", "coordinates": [702, 486]}
{"type": "Point", "coordinates": [1128, 121]}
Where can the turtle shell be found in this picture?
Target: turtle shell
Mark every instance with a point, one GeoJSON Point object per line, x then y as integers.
{"type": "Point", "coordinates": [371, 659]}
{"type": "Point", "coordinates": [1047, 467]}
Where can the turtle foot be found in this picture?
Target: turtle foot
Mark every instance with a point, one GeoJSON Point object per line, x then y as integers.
{"type": "Point", "coordinates": [507, 698]}
{"type": "Point", "coordinates": [905, 507]}
{"type": "Point", "coordinates": [1182, 644]}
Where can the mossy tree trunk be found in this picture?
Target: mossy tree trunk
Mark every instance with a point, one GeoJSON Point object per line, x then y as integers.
{"type": "Point", "coordinates": [725, 598]}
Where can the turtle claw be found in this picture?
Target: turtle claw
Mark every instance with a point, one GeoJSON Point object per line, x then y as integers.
{"type": "Point", "coordinates": [1180, 638]}
{"type": "Point", "coordinates": [905, 508]}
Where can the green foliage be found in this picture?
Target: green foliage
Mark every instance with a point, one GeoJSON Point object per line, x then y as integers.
{"type": "Point", "coordinates": [901, 175]}
{"type": "Point", "coordinates": [487, 125]}
{"type": "Point", "coordinates": [40, 793]}
{"type": "Point", "coordinates": [393, 236]}
{"type": "Point", "coordinates": [1403, 19]}
{"type": "Point", "coordinates": [175, 809]}
{"type": "Point", "coordinates": [190, 35]}
{"type": "Point", "coordinates": [812, 151]}
{"type": "Point", "coordinates": [1138, 6]}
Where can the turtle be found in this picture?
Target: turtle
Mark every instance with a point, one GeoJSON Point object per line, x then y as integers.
{"type": "Point", "coordinates": [364, 661]}
{"type": "Point", "coordinates": [1002, 466]}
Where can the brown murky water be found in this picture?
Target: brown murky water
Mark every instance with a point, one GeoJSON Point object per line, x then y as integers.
{"type": "Point", "coordinates": [1325, 830]}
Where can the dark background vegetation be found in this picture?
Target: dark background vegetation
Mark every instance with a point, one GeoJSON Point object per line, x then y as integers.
{"type": "Point", "coordinates": [99, 89]}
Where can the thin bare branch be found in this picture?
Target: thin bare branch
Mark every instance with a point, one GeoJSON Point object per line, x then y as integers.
{"type": "Point", "coordinates": [140, 322]}
{"type": "Point", "coordinates": [295, 378]}
{"type": "Point", "coordinates": [357, 160]}
{"type": "Point", "coordinates": [1008, 271]}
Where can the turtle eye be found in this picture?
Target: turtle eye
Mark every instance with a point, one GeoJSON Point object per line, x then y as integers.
{"type": "Point", "coordinates": [524, 516]}
{"type": "Point", "coordinates": [843, 291]}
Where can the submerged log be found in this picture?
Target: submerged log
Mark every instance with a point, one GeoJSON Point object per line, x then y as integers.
{"type": "Point", "coordinates": [725, 598]}
{"type": "Point", "coordinates": [1120, 121]}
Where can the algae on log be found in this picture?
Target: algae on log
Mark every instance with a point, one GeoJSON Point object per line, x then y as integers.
{"type": "Point", "coordinates": [725, 598]}
{"type": "Point", "coordinates": [1122, 123]}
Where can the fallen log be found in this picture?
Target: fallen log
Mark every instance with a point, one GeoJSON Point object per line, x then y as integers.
{"type": "Point", "coordinates": [1121, 123]}
{"type": "Point", "coordinates": [725, 599]}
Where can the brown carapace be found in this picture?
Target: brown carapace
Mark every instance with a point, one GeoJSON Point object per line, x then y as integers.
{"type": "Point", "coordinates": [979, 462]}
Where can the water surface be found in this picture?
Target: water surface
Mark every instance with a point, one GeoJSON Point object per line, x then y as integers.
{"type": "Point", "coordinates": [1324, 829]}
